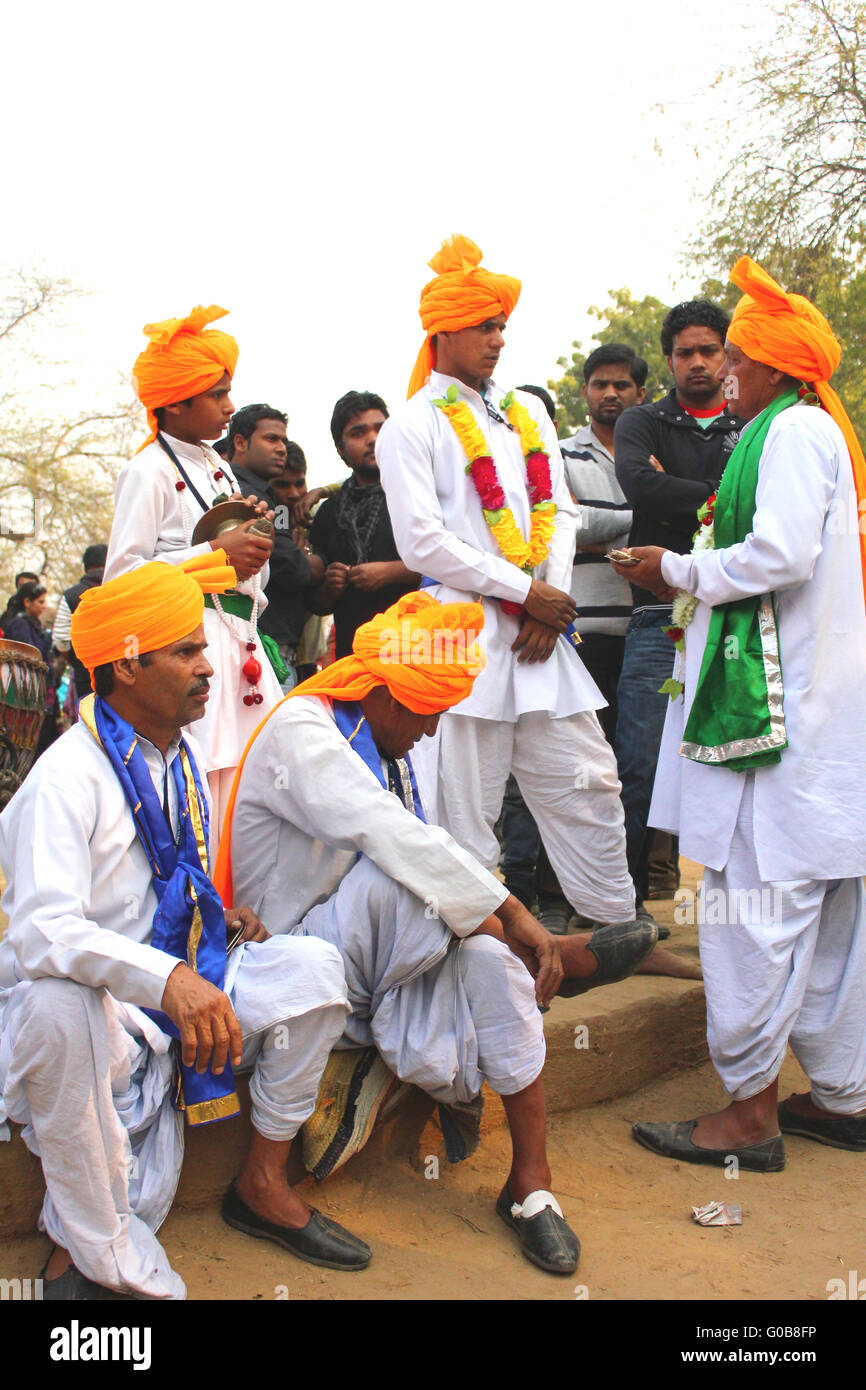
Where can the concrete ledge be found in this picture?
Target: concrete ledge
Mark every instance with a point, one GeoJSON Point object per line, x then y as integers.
{"type": "Point", "coordinates": [609, 1043]}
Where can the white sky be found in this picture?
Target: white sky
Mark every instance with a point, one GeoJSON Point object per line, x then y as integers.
{"type": "Point", "coordinates": [300, 165]}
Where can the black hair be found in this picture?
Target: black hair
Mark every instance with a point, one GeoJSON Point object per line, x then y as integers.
{"type": "Point", "coordinates": [15, 606]}
{"type": "Point", "coordinates": [94, 557]}
{"type": "Point", "coordinates": [222, 446]}
{"type": "Point", "coordinates": [353, 403]}
{"type": "Point", "coordinates": [103, 676]}
{"type": "Point", "coordinates": [296, 459]}
{"type": "Point", "coordinates": [545, 398]}
{"type": "Point", "coordinates": [609, 354]}
{"type": "Point", "coordinates": [26, 574]}
{"type": "Point", "coordinates": [693, 313]}
{"type": "Point", "coordinates": [244, 422]}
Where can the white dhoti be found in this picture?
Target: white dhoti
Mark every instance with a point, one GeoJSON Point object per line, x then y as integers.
{"type": "Point", "coordinates": [445, 1013]}
{"type": "Point", "coordinates": [567, 774]}
{"type": "Point", "coordinates": [90, 1080]}
{"type": "Point", "coordinates": [784, 962]}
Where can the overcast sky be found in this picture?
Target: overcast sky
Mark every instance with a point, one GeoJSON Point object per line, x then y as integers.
{"type": "Point", "coordinates": [300, 166]}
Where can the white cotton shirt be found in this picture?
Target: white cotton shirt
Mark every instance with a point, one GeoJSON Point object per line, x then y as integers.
{"type": "Point", "coordinates": [80, 896]}
{"type": "Point", "coordinates": [439, 529]}
{"type": "Point", "coordinates": [153, 521]}
{"type": "Point", "coordinates": [804, 548]}
{"type": "Point", "coordinates": [307, 805]}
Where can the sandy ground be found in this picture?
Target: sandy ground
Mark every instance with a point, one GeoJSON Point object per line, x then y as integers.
{"type": "Point", "coordinates": [440, 1239]}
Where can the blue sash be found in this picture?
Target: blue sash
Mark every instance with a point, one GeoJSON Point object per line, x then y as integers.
{"type": "Point", "coordinates": [355, 729]}
{"type": "Point", "coordinates": [189, 922]}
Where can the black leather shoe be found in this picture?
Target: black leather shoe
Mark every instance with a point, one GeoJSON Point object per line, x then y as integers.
{"type": "Point", "coordinates": [619, 949]}
{"type": "Point", "coordinates": [847, 1132]}
{"type": "Point", "coordinates": [545, 1238]}
{"type": "Point", "coordinates": [642, 914]}
{"type": "Point", "coordinates": [73, 1287]}
{"type": "Point", "coordinates": [321, 1242]}
{"type": "Point", "coordinates": [675, 1141]}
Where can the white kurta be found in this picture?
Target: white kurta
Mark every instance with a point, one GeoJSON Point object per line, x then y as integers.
{"type": "Point", "coordinates": [810, 808]}
{"type": "Point", "coordinates": [319, 847]}
{"type": "Point", "coordinates": [153, 521]}
{"type": "Point", "coordinates": [440, 530]}
{"type": "Point", "coordinates": [84, 1070]}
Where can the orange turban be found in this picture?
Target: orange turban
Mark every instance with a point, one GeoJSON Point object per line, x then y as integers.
{"type": "Point", "coordinates": [787, 332]}
{"type": "Point", "coordinates": [181, 360]}
{"type": "Point", "coordinates": [424, 652]}
{"type": "Point", "coordinates": [461, 296]}
{"type": "Point", "coordinates": [146, 608]}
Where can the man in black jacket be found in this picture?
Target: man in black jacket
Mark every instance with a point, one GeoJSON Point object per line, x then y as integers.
{"type": "Point", "coordinates": [670, 457]}
{"type": "Point", "coordinates": [257, 454]}
{"type": "Point", "coordinates": [93, 562]}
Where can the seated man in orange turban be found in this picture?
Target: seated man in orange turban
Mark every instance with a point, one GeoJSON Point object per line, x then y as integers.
{"type": "Point", "coordinates": [183, 378]}
{"type": "Point", "coordinates": [479, 504]}
{"type": "Point", "coordinates": [332, 833]}
{"type": "Point", "coordinates": [761, 769]}
{"type": "Point", "coordinates": [117, 943]}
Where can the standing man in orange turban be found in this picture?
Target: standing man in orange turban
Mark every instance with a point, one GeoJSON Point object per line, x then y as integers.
{"type": "Point", "coordinates": [761, 769]}
{"type": "Point", "coordinates": [183, 378]}
{"type": "Point", "coordinates": [479, 505]}
{"type": "Point", "coordinates": [117, 942]}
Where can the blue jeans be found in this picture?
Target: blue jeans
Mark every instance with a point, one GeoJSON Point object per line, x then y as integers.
{"type": "Point", "coordinates": [521, 844]}
{"type": "Point", "coordinates": [647, 663]}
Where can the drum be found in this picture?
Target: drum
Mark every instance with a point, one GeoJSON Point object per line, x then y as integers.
{"type": "Point", "coordinates": [23, 684]}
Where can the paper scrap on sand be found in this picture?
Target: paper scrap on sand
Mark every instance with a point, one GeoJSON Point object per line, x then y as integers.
{"type": "Point", "coordinates": [718, 1214]}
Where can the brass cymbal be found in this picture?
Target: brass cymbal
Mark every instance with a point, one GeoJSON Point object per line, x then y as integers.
{"type": "Point", "coordinates": [225, 516]}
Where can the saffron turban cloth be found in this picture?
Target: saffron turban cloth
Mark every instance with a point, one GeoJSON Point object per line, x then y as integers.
{"type": "Point", "coordinates": [182, 359]}
{"type": "Point", "coordinates": [787, 332]}
{"type": "Point", "coordinates": [425, 652]}
{"type": "Point", "coordinates": [146, 608]}
{"type": "Point", "coordinates": [461, 296]}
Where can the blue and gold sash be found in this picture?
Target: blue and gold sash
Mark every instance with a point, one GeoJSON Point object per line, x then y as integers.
{"type": "Point", "coordinates": [401, 774]}
{"type": "Point", "coordinates": [189, 922]}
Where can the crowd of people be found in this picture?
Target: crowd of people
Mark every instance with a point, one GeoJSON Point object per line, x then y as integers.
{"type": "Point", "coordinates": [262, 860]}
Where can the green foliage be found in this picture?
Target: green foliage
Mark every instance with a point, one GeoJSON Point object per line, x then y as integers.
{"type": "Point", "coordinates": [625, 319]}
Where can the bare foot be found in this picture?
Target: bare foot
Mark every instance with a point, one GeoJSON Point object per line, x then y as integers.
{"type": "Point", "coordinates": [578, 962]}
{"type": "Point", "coordinates": [739, 1125]}
{"type": "Point", "coordinates": [660, 961]}
{"type": "Point", "coordinates": [803, 1104]}
{"type": "Point", "coordinates": [273, 1199]}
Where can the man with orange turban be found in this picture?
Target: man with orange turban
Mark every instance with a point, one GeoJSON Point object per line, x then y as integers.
{"type": "Point", "coordinates": [183, 378]}
{"type": "Point", "coordinates": [332, 833]}
{"type": "Point", "coordinates": [117, 943]}
{"type": "Point", "coordinates": [761, 771]}
{"type": "Point", "coordinates": [479, 505]}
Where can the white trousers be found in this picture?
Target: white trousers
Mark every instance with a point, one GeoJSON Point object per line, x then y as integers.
{"type": "Point", "coordinates": [784, 962]}
{"type": "Point", "coordinates": [94, 1097]}
{"type": "Point", "coordinates": [567, 774]}
{"type": "Point", "coordinates": [444, 1013]}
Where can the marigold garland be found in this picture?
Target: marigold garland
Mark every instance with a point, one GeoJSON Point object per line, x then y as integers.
{"type": "Point", "coordinates": [482, 470]}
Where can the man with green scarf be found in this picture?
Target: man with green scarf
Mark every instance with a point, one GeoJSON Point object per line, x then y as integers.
{"type": "Point", "coordinates": [761, 769]}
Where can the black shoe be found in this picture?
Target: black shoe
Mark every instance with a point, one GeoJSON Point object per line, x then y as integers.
{"type": "Point", "coordinates": [321, 1242]}
{"type": "Point", "coordinates": [71, 1286]}
{"type": "Point", "coordinates": [619, 949]}
{"type": "Point", "coordinates": [642, 914]}
{"type": "Point", "coordinates": [847, 1132]}
{"type": "Point", "coordinates": [675, 1141]}
{"type": "Point", "coordinates": [461, 1127]}
{"type": "Point", "coordinates": [545, 1238]}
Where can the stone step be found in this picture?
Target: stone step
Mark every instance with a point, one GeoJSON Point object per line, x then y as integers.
{"type": "Point", "coordinates": [609, 1043]}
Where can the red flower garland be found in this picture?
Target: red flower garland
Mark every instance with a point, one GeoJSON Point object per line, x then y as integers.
{"type": "Point", "coordinates": [483, 473]}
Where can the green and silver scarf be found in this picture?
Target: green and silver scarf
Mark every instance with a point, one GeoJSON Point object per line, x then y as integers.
{"type": "Point", "coordinates": [737, 718]}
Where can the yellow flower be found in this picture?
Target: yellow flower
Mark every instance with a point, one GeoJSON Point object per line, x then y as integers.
{"type": "Point", "coordinates": [530, 439]}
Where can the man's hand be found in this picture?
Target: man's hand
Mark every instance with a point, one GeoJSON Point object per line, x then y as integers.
{"type": "Point", "coordinates": [253, 927]}
{"type": "Point", "coordinates": [654, 463]}
{"type": "Point", "coordinates": [256, 507]}
{"type": "Point", "coordinates": [539, 951]}
{"type": "Point", "coordinates": [373, 575]}
{"type": "Point", "coordinates": [302, 509]}
{"type": "Point", "coordinates": [209, 1031]}
{"type": "Point", "coordinates": [647, 574]}
{"type": "Point", "coordinates": [535, 641]}
{"type": "Point", "coordinates": [336, 579]}
{"type": "Point", "coordinates": [246, 550]}
{"type": "Point", "coordinates": [549, 605]}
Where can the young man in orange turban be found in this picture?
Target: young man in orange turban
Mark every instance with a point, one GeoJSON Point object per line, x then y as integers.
{"type": "Point", "coordinates": [761, 770]}
{"type": "Point", "coordinates": [117, 942]}
{"type": "Point", "coordinates": [479, 504]}
{"type": "Point", "coordinates": [332, 833]}
{"type": "Point", "coordinates": [183, 378]}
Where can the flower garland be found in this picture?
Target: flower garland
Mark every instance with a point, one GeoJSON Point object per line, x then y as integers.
{"type": "Point", "coordinates": [526, 555]}
{"type": "Point", "coordinates": [685, 604]}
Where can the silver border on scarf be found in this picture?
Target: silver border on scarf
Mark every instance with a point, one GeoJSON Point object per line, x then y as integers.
{"type": "Point", "coordinates": [778, 736]}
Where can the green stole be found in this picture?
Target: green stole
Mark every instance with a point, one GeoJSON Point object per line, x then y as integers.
{"type": "Point", "coordinates": [737, 718]}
